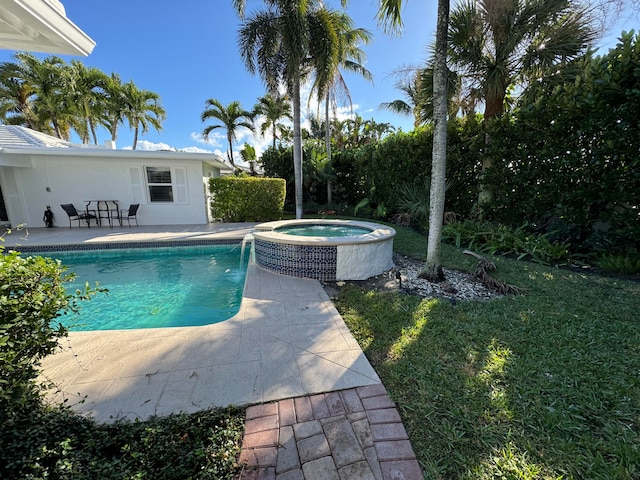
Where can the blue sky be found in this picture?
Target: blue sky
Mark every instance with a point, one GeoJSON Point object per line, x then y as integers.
{"type": "Point", "coordinates": [187, 52]}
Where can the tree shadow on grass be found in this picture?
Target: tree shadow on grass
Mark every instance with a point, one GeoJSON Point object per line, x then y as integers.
{"type": "Point", "coordinates": [535, 386]}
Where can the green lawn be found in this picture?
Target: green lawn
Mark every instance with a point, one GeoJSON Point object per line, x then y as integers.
{"type": "Point", "coordinates": [540, 385]}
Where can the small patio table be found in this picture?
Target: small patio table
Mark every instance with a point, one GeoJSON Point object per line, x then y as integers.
{"type": "Point", "coordinates": [104, 210]}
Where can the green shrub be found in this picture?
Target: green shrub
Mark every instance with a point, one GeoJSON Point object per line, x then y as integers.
{"type": "Point", "coordinates": [247, 199]}
{"type": "Point", "coordinates": [620, 264]}
{"type": "Point", "coordinates": [32, 297]}
{"type": "Point", "coordinates": [55, 443]}
{"type": "Point", "coordinates": [493, 239]}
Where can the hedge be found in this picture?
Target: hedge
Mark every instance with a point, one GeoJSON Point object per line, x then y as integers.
{"type": "Point", "coordinates": [247, 199]}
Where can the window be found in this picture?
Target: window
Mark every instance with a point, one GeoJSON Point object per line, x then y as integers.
{"type": "Point", "coordinates": [159, 184]}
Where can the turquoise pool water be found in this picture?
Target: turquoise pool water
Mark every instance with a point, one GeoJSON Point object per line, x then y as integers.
{"type": "Point", "coordinates": [156, 287]}
{"type": "Point", "coordinates": [327, 230]}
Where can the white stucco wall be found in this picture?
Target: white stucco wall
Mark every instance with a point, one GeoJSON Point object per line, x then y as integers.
{"type": "Point", "coordinates": [75, 180]}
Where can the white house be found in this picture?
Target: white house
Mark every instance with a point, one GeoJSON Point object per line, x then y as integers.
{"type": "Point", "coordinates": [37, 170]}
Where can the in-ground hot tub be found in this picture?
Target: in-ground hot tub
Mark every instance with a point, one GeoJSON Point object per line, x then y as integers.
{"type": "Point", "coordinates": [326, 250]}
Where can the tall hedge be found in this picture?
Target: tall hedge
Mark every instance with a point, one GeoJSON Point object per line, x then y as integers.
{"type": "Point", "coordinates": [379, 171]}
{"type": "Point", "coordinates": [571, 157]}
{"type": "Point", "coordinates": [247, 199]}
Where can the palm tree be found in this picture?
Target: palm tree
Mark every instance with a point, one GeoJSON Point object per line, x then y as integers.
{"type": "Point", "coordinates": [273, 108]}
{"type": "Point", "coordinates": [16, 107]}
{"type": "Point", "coordinates": [248, 154]}
{"type": "Point", "coordinates": [143, 110]}
{"type": "Point", "coordinates": [43, 88]}
{"type": "Point", "coordinates": [409, 106]}
{"type": "Point", "coordinates": [115, 105]}
{"type": "Point", "coordinates": [496, 45]}
{"type": "Point", "coordinates": [389, 14]}
{"type": "Point", "coordinates": [350, 58]}
{"type": "Point", "coordinates": [87, 95]}
{"type": "Point", "coordinates": [284, 42]}
{"type": "Point", "coordinates": [230, 117]}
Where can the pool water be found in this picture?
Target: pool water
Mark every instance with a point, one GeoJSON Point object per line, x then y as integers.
{"type": "Point", "coordinates": [156, 287]}
{"type": "Point", "coordinates": [323, 230]}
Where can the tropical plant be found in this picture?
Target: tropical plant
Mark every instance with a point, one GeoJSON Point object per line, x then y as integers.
{"type": "Point", "coordinates": [284, 42]}
{"type": "Point", "coordinates": [273, 108]}
{"type": "Point", "coordinates": [411, 88]}
{"type": "Point", "coordinates": [87, 95]}
{"type": "Point", "coordinates": [351, 58]}
{"type": "Point", "coordinates": [42, 89]}
{"type": "Point", "coordinates": [54, 97]}
{"type": "Point", "coordinates": [495, 46]}
{"type": "Point", "coordinates": [143, 110]}
{"type": "Point", "coordinates": [248, 154]}
{"type": "Point", "coordinates": [33, 299]}
{"type": "Point", "coordinates": [115, 105]}
{"type": "Point", "coordinates": [231, 118]}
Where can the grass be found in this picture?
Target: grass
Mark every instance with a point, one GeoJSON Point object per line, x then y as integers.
{"type": "Point", "coordinates": [544, 385]}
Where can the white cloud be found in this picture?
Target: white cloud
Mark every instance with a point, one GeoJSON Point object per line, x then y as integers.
{"type": "Point", "coordinates": [195, 150]}
{"type": "Point", "coordinates": [216, 138]}
{"type": "Point", "coordinates": [145, 145]}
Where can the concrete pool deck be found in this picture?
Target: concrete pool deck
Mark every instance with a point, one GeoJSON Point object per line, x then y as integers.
{"type": "Point", "coordinates": [287, 352]}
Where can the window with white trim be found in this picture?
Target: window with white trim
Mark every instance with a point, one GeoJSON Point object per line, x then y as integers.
{"type": "Point", "coordinates": [166, 184]}
{"type": "Point", "coordinates": [159, 184]}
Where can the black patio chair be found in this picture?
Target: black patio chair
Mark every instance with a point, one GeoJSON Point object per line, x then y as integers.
{"type": "Point", "coordinates": [79, 216]}
{"type": "Point", "coordinates": [132, 213]}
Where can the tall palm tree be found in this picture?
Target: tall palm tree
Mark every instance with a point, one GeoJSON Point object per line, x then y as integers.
{"type": "Point", "coordinates": [231, 117]}
{"type": "Point", "coordinates": [496, 45]}
{"type": "Point", "coordinates": [350, 58]}
{"type": "Point", "coordinates": [143, 110]}
{"type": "Point", "coordinates": [409, 106]}
{"type": "Point", "coordinates": [16, 105]}
{"type": "Point", "coordinates": [273, 108]}
{"type": "Point", "coordinates": [43, 87]}
{"type": "Point", "coordinates": [115, 105]}
{"type": "Point", "coordinates": [284, 42]}
{"type": "Point", "coordinates": [389, 15]}
{"type": "Point", "coordinates": [87, 95]}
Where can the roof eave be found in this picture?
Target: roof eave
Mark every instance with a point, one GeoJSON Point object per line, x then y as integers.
{"type": "Point", "coordinates": [209, 158]}
{"type": "Point", "coordinates": [43, 28]}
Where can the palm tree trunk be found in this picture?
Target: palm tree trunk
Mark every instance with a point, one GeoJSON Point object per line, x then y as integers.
{"type": "Point", "coordinates": [135, 137]}
{"type": "Point", "coordinates": [92, 127]}
{"type": "Point", "coordinates": [433, 269]}
{"type": "Point", "coordinates": [327, 141]}
{"type": "Point", "coordinates": [230, 152]}
{"type": "Point", "coordinates": [494, 107]}
{"type": "Point", "coordinates": [297, 145]}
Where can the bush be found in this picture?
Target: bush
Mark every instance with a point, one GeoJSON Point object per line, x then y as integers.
{"type": "Point", "coordinates": [493, 239]}
{"type": "Point", "coordinates": [247, 199]}
{"type": "Point", "coordinates": [56, 443]}
{"type": "Point", "coordinates": [32, 297]}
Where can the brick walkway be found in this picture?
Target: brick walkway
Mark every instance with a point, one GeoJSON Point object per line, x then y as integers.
{"type": "Point", "coordinates": [353, 434]}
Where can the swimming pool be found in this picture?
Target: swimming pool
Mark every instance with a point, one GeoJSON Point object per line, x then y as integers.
{"type": "Point", "coordinates": [156, 287]}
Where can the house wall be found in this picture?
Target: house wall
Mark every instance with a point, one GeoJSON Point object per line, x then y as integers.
{"type": "Point", "coordinates": [54, 180]}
